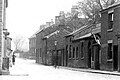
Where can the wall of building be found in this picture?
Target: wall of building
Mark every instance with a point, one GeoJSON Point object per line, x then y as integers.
{"type": "Point", "coordinates": [107, 35]}
{"type": "Point", "coordinates": [32, 48]}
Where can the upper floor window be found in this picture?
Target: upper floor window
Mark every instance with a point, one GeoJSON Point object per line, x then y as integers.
{"type": "Point", "coordinates": [110, 19]}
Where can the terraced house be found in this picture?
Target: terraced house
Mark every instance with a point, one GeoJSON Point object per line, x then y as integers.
{"type": "Point", "coordinates": [110, 34]}
{"type": "Point", "coordinates": [94, 46]}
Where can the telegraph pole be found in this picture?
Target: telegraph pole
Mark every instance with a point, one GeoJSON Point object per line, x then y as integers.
{"type": "Point", "coordinates": [2, 26]}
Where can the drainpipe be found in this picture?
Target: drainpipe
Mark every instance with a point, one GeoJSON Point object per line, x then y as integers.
{"type": "Point", "coordinates": [118, 40]}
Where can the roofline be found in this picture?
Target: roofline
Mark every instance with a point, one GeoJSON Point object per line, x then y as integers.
{"type": "Point", "coordinates": [81, 28]}
{"type": "Point", "coordinates": [111, 6]}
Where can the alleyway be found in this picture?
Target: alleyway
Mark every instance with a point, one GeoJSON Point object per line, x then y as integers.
{"type": "Point", "coordinates": [29, 70]}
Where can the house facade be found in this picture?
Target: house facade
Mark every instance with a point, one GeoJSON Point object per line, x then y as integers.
{"type": "Point", "coordinates": [82, 48]}
{"type": "Point", "coordinates": [94, 46]}
{"type": "Point", "coordinates": [32, 47]}
{"type": "Point", "coordinates": [110, 45]}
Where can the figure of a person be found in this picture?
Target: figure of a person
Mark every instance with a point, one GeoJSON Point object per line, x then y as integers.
{"type": "Point", "coordinates": [13, 58]}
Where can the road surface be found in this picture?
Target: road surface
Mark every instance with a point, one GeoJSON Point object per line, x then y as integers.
{"type": "Point", "coordinates": [29, 70]}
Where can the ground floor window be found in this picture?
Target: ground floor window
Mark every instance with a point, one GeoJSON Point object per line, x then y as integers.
{"type": "Point", "coordinates": [40, 52]}
{"type": "Point", "coordinates": [70, 51]}
{"type": "Point", "coordinates": [109, 56]}
{"type": "Point", "coordinates": [73, 52]}
{"type": "Point", "coordinates": [82, 50]}
{"type": "Point", "coordinates": [77, 55]}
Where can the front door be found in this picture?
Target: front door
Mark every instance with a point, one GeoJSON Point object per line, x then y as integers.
{"type": "Point", "coordinates": [115, 57]}
{"type": "Point", "coordinates": [96, 51]}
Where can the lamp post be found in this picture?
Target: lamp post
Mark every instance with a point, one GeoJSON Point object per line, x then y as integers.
{"type": "Point", "coordinates": [46, 51]}
{"type": "Point", "coordinates": [55, 53]}
{"type": "Point", "coordinates": [118, 38]}
{"type": "Point", "coordinates": [5, 56]}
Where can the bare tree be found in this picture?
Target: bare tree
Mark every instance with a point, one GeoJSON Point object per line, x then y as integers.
{"type": "Point", "coordinates": [18, 42]}
{"type": "Point", "coordinates": [91, 8]}
{"type": "Point", "coordinates": [72, 20]}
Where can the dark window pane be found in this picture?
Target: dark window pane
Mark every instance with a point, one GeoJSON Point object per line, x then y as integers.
{"type": "Point", "coordinates": [73, 52]}
{"type": "Point", "coordinates": [77, 52]}
{"type": "Point", "coordinates": [82, 48]}
{"type": "Point", "coordinates": [110, 20]}
{"type": "Point", "coordinates": [70, 51]}
{"type": "Point", "coordinates": [110, 51]}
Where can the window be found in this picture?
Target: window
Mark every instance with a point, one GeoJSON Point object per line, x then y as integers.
{"type": "Point", "coordinates": [82, 48]}
{"type": "Point", "coordinates": [110, 20]}
{"type": "Point", "coordinates": [70, 51]}
{"type": "Point", "coordinates": [77, 53]}
{"type": "Point", "coordinates": [92, 54]}
{"type": "Point", "coordinates": [67, 49]}
{"type": "Point", "coordinates": [109, 51]}
{"type": "Point", "coordinates": [70, 39]}
{"type": "Point", "coordinates": [40, 52]}
{"type": "Point", "coordinates": [73, 52]}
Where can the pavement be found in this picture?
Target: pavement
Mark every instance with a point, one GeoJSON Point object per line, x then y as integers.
{"type": "Point", "coordinates": [15, 69]}
{"type": "Point", "coordinates": [25, 69]}
{"type": "Point", "coordinates": [5, 72]}
{"type": "Point", "coordinates": [93, 71]}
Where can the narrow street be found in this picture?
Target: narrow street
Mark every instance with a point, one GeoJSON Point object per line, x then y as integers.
{"type": "Point", "coordinates": [29, 70]}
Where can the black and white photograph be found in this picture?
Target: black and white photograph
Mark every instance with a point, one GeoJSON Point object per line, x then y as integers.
{"type": "Point", "coordinates": [59, 39]}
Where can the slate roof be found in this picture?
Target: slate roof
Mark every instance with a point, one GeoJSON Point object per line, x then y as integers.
{"type": "Point", "coordinates": [111, 6]}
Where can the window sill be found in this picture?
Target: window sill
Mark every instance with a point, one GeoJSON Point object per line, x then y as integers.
{"type": "Point", "coordinates": [109, 30]}
{"type": "Point", "coordinates": [73, 58]}
{"type": "Point", "coordinates": [70, 58]}
{"type": "Point", "coordinates": [77, 58]}
{"type": "Point", "coordinates": [82, 58]}
{"type": "Point", "coordinates": [109, 60]}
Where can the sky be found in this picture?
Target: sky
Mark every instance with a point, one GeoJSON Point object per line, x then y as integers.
{"type": "Point", "coordinates": [23, 17]}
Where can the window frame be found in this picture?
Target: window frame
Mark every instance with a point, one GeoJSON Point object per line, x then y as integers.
{"type": "Point", "coordinates": [110, 50]}
{"type": "Point", "coordinates": [70, 51]}
{"type": "Point", "coordinates": [82, 50]}
{"type": "Point", "coordinates": [77, 53]}
{"type": "Point", "coordinates": [110, 20]}
{"type": "Point", "coordinates": [73, 53]}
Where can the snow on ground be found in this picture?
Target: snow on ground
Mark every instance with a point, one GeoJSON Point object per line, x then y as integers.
{"type": "Point", "coordinates": [29, 70]}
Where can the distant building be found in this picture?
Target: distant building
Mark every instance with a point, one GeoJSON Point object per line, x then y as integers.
{"type": "Point", "coordinates": [32, 47]}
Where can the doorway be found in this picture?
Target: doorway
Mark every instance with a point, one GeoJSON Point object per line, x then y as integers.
{"type": "Point", "coordinates": [96, 51]}
{"type": "Point", "coordinates": [115, 57]}
{"type": "Point", "coordinates": [89, 54]}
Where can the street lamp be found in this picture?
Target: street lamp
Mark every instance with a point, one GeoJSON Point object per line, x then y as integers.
{"type": "Point", "coordinates": [55, 53]}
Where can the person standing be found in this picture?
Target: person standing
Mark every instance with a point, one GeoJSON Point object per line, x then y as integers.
{"type": "Point", "coordinates": [13, 58]}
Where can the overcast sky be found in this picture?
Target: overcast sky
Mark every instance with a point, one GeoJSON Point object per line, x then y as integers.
{"type": "Point", "coordinates": [25, 16]}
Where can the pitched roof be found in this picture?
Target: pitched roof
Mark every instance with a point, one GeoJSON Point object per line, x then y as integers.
{"type": "Point", "coordinates": [111, 6]}
{"type": "Point", "coordinates": [78, 30]}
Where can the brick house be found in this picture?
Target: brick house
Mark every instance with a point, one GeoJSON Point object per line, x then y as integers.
{"type": "Point", "coordinates": [110, 37]}
{"type": "Point", "coordinates": [82, 50]}
{"type": "Point", "coordinates": [32, 47]}
{"type": "Point", "coordinates": [41, 43]}
{"type": "Point", "coordinates": [55, 46]}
